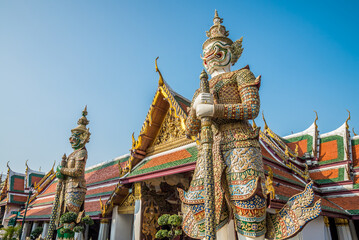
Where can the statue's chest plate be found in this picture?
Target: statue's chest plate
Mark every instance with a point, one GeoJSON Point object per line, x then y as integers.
{"type": "Point", "coordinates": [71, 162]}
{"type": "Point", "coordinates": [225, 91]}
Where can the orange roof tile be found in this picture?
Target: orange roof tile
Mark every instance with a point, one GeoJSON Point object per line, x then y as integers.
{"type": "Point", "coordinates": [328, 150]}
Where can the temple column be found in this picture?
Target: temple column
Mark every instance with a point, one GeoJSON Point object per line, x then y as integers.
{"type": "Point", "coordinates": [137, 220]}
{"type": "Point", "coordinates": [136, 234]}
{"type": "Point", "coordinates": [327, 235]}
{"type": "Point", "coordinates": [121, 225]}
{"type": "Point", "coordinates": [104, 229]}
{"type": "Point", "coordinates": [45, 227]}
{"type": "Point", "coordinates": [352, 230]}
{"type": "Point", "coordinates": [343, 229]}
{"type": "Point", "coordinates": [34, 226]}
{"type": "Point", "coordinates": [25, 230]}
{"type": "Point", "coordinates": [87, 229]}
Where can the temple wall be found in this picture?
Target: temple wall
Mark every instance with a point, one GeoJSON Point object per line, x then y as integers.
{"type": "Point", "coordinates": [315, 229]}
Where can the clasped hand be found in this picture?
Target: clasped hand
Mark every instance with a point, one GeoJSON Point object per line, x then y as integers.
{"type": "Point", "coordinates": [204, 105]}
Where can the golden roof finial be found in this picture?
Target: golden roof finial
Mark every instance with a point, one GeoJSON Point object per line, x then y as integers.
{"type": "Point", "coordinates": [315, 120]}
{"type": "Point", "coordinates": [53, 165]}
{"type": "Point", "coordinates": [27, 166]}
{"type": "Point", "coordinates": [346, 122]}
{"type": "Point", "coordinates": [133, 140]}
{"type": "Point", "coordinates": [254, 125]}
{"type": "Point", "coordinates": [264, 120]}
{"type": "Point", "coordinates": [354, 133]}
{"type": "Point", "coordinates": [160, 80]}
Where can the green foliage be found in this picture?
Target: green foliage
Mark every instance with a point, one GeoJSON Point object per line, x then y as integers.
{"type": "Point", "coordinates": [87, 220]}
{"type": "Point", "coordinates": [178, 232]}
{"type": "Point", "coordinates": [170, 226]}
{"type": "Point", "coordinates": [175, 220]}
{"type": "Point", "coordinates": [79, 229]}
{"type": "Point", "coordinates": [68, 217]}
{"type": "Point", "coordinates": [163, 220]}
{"type": "Point", "coordinates": [65, 230]}
{"type": "Point", "coordinates": [36, 233]}
{"type": "Point", "coordinates": [161, 234]}
{"type": "Point", "coordinates": [11, 232]}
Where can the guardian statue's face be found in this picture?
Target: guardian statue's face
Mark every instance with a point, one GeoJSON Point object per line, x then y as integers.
{"type": "Point", "coordinates": [217, 55]}
{"type": "Point", "coordinates": [75, 140]}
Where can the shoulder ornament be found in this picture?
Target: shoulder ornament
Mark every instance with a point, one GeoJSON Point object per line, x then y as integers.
{"type": "Point", "coordinates": [246, 78]}
{"type": "Point", "coordinates": [81, 155]}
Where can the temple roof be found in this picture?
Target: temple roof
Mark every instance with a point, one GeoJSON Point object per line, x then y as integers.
{"type": "Point", "coordinates": [165, 102]}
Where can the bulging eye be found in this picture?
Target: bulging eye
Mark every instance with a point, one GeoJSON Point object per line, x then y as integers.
{"type": "Point", "coordinates": [218, 55]}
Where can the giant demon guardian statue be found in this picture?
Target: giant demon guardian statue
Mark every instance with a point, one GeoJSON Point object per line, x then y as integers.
{"type": "Point", "coordinates": [239, 190]}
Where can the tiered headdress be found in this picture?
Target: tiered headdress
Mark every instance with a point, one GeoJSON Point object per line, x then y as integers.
{"type": "Point", "coordinates": [218, 32]}
{"type": "Point", "coordinates": [82, 122]}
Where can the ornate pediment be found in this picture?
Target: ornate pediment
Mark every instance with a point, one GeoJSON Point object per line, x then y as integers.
{"type": "Point", "coordinates": [170, 130]}
{"type": "Point", "coordinates": [170, 135]}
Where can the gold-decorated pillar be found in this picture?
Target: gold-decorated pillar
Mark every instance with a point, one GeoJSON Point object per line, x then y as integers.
{"type": "Point", "coordinates": [327, 234]}
{"type": "Point", "coordinates": [343, 230]}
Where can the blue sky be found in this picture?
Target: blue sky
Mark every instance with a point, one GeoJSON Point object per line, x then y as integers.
{"type": "Point", "coordinates": [57, 56]}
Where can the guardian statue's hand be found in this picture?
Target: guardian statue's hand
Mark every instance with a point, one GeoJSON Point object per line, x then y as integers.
{"type": "Point", "coordinates": [205, 110]}
{"type": "Point", "coordinates": [203, 105]}
{"type": "Point", "coordinates": [203, 98]}
{"type": "Point", "coordinates": [59, 175]}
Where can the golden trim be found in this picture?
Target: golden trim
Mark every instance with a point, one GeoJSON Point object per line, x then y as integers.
{"type": "Point", "coordinates": [137, 191]}
{"type": "Point", "coordinates": [104, 220]}
{"type": "Point", "coordinates": [168, 146]}
{"type": "Point", "coordinates": [341, 222]}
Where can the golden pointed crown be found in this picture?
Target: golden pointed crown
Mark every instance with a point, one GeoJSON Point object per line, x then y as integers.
{"type": "Point", "coordinates": [217, 32]}
{"type": "Point", "coordinates": [82, 122]}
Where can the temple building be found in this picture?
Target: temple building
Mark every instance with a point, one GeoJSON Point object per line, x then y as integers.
{"type": "Point", "coordinates": [125, 196]}
{"type": "Point", "coordinates": [14, 191]}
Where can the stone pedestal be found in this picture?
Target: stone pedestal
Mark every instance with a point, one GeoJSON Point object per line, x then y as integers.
{"type": "Point", "coordinates": [104, 229]}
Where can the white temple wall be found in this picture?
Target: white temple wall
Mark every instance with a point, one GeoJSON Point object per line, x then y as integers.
{"type": "Point", "coordinates": [315, 229]}
{"type": "Point", "coordinates": [121, 226]}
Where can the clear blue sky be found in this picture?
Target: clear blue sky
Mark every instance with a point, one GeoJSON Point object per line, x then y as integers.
{"type": "Point", "coordinates": [57, 56]}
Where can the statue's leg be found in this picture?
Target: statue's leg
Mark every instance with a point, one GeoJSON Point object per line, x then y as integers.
{"type": "Point", "coordinates": [244, 178]}
{"type": "Point", "coordinates": [74, 200]}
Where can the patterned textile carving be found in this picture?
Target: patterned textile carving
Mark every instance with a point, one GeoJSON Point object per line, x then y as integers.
{"type": "Point", "coordinates": [294, 215]}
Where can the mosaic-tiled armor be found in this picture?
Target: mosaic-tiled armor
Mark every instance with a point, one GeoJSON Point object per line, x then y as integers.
{"type": "Point", "coordinates": [238, 168]}
{"type": "Point", "coordinates": [72, 169]}
{"type": "Point", "coordinates": [75, 183]}
{"type": "Point", "coordinates": [239, 182]}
